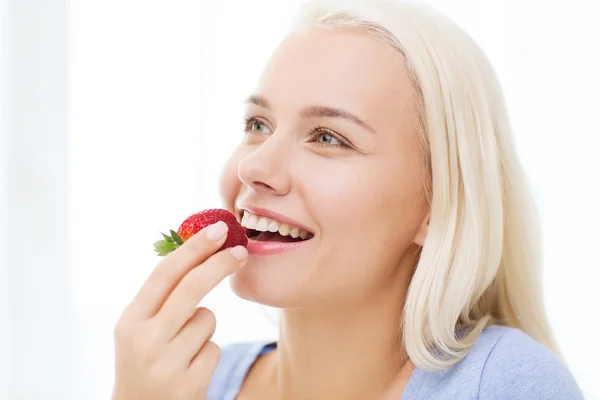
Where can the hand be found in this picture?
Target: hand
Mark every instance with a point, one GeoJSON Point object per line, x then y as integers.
{"type": "Point", "coordinates": [162, 340]}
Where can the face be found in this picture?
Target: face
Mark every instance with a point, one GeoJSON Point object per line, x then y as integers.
{"type": "Point", "coordinates": [331, 147]}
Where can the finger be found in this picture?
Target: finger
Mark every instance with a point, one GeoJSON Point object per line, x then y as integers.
{"type": "Point", "coordinates": [184, 299]}
{"type": "Point", "coordinates": [197, 330]}
{"type": "Point", "coordinates": [202, 367]}
{"type": "Point", "coordinates": [167, 274]}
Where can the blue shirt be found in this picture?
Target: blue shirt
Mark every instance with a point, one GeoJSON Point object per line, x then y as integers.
{"type": "Point", "coordinates": [504, 363]}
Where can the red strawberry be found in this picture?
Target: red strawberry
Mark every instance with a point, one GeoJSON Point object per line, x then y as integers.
{"type": "Point", "coordinates": [196, 222]}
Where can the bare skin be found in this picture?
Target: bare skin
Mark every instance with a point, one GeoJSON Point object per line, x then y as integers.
{"type": "Point", "coordinates": [358, 189]}
{"type": "Point", "coordinates": [343, 292]}
{"type": "Point", "coordinates": [162, 341]}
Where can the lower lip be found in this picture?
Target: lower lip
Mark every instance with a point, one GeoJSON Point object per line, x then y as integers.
{"type": "Point", "coordinates": [270, 248]}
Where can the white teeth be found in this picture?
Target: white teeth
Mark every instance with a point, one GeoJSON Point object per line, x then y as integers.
{"type": "Point", "coordinates": [284, 229]}
{"type": "Point", "coordinates": [273, 226]}
{"type": "Point", "coordinates": [262, 224]}
{"type": "Point", "coordinates": [251, 221]}
{"type": "Point", "coordinates": [295, 232]}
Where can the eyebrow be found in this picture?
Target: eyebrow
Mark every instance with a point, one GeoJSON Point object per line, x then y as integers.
{"type": "Point", "coordinates": [315, 111]}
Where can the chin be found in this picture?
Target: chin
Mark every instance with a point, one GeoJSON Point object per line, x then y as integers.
{"type": "Point", "coordinates": [269, 283]}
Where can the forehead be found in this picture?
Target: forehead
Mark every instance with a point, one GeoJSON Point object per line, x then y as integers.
{"type": "Point", "coordinates": [342, 68]}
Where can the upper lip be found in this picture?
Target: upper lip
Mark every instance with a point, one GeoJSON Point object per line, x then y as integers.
{"type": "Point", "coordinates": [273, 215]}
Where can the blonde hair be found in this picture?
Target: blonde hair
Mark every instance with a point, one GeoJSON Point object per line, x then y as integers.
{"type": "Point", "coordinates": [480, 264]}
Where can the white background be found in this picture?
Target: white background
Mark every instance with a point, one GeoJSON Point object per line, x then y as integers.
{"type": "Point", "coordinates": [116, 117]}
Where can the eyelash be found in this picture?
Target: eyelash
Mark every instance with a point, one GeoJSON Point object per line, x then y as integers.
{"type": "Point", "coordinates": [313, 133]}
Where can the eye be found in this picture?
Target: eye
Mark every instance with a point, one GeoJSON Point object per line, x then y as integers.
{"type": "Point", "coordinates": [254, 125]}
{"type": "Point", "coordinates": [326, 138]}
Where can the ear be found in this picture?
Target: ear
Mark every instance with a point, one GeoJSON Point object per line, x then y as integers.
{"type": "Point", "coordinates": [422, 231]}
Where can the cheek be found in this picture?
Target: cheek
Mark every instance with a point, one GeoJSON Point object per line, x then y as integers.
{"type": "Point", "coordinates": [367, 200]}
{"type": "Point", "coordinates": [326, 187]}
{"type": "Point", "coordinates": [368, 217]}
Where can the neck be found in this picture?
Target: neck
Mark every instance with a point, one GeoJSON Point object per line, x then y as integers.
{"type": "Point", "coordinates": [346, 352]}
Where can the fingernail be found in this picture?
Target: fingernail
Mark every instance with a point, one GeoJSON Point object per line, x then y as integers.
{"type": "Point", "coordinates": [216, 230]}
{"type": "Point", "coordinates": [239, 252]}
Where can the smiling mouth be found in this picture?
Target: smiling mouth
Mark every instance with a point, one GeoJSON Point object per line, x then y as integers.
{"type": "Point", "coordinates": [264, 229]}
{"type": "Point", "coordinates": [271, 237]}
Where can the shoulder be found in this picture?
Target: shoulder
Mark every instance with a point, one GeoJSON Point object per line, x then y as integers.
{"type": "Point", "coordinates": [503, 363]}
{"type": "Point", "coordinates": [236, 360]}
{"type": "Point", "coordinates": [518, 367]}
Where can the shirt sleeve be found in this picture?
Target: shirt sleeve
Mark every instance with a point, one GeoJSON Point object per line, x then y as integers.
{"type": "Point", "coordinates": [520, 368]}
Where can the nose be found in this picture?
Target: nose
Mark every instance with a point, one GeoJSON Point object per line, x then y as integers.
{"type": "Point", "coordinates": [265, 170]}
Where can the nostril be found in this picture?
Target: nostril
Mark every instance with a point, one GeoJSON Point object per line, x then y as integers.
{"type": "Point", "coordinates": [263, 185]}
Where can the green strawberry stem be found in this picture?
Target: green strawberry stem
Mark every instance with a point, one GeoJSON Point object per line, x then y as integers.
{"type": "Point", "coordinates": [170, 243]}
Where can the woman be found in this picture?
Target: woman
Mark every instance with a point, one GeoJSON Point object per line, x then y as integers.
{"type": "Point", "coordinates": [389, 220]}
